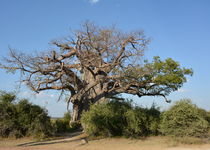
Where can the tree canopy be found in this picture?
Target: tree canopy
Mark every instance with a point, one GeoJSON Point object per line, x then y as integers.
{"type": "Point", "coordinates": [96, 63]}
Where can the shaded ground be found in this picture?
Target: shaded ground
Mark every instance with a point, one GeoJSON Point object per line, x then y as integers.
{"type": "Point", "coordinates": [78, 141]}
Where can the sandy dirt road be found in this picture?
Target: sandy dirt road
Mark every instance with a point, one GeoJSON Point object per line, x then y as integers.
{"type": "Point", "coordinates": [79, 142]}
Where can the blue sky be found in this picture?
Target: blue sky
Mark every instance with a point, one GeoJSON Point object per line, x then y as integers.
{"type": "Point", "coordinates": [179, 29]}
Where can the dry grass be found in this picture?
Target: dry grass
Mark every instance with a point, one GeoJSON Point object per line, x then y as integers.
{"type": "Point", "coordinates": [78, 142]}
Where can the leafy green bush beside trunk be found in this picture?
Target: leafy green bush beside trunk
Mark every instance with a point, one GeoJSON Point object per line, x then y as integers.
{"type": "Point", "coordinates": [120, 119]}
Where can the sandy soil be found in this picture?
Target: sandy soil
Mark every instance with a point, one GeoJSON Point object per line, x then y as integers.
{"type": "Point", "coordinates": [79, 142]}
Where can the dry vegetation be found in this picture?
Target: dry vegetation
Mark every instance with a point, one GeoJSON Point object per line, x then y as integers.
{"type": "Point", "coordinates": [78, 142]}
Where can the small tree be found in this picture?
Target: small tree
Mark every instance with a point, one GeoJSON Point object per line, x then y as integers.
{"type": "Point", "coordinates": [184, 119]}
{"type": "Point", "coordinates": [97, 63]}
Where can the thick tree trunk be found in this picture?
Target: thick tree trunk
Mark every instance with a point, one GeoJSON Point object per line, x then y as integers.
{"type": "Point", "coordinates": [78, 108]}
{"type": "Point", "coordinates": [94, 95]}
{"type": "Point", "coordinates": [76, 115]}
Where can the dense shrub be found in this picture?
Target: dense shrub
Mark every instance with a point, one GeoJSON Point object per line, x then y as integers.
{"type": "Point", "coordinates": [105, 119]}
{"type": "Point", "coordinates": [9, 124]}
{"type": "Point", "coordinates": [205, 114]}
{"type": "Point", "coordinates": [33, 119]}
{"type": "Point", "coordinates": [120, 118]}
{"type": "Point", "coordinates": [62, 125]}
{"type": "Point", "coordinates": [184, 119]}
{"type": "Point", "coordinates": [142, 121]}
{"type": "Point", "coordinates": [22, 118]}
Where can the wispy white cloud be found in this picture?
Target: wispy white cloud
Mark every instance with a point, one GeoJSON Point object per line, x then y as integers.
{"type": "Point", "coordinates": [183, 90]}
{"type": "Point", "coordinates": [93, 1]}
{"type": "Point", "coordinates": [41, 95]}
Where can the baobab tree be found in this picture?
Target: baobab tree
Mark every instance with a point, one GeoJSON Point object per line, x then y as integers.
{"type": "Point", "coordinates": [96, 63]}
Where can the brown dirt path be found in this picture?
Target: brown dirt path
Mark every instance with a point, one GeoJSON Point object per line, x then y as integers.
{"type": "Point", "coordinates": [78, 142]}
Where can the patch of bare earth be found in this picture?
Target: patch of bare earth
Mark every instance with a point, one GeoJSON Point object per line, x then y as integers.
{"type": "Point", "coordinates": [79, 142]}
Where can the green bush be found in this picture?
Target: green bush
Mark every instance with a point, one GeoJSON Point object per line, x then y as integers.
{"type": "Point", "coordinates": [120, 119]}
{"type": "Point", "coordinates": [67, 116]}
{"type": "Point", "coordinates": [22, 118]}
{"type": "Point", "coordinates": [205, 114]}
{"type": "Point", "coordinates": [33, 119]}
{"type": "Point", "coordinates": [62, 125]}
{"type": "Point", "coordinates": [142, 121]}
{"type": "Point", "coordinates": [105, 119]}
{"type": "Point", "coordinates": [59, 126]}
{"type": "Point", "coordinates": [9, 124]}
{"type": "Point", "coordinates": [184, 119]}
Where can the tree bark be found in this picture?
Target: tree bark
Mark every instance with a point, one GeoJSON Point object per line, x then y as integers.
{"type": "Point", "coordinates": [78, 107]}
{"type": "Point", "coordinates": [81, 106]}
{"type": "Point", "coordinates": [94, 95]}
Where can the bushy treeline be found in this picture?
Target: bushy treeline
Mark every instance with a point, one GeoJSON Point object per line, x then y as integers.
{"type": "Point", "coordinates": [124, 119]}
{"type": "Point", "coordinates": [19, 118]}
{"type": "Point", "coordinates": [121, 119]}
{"type": "Point", "coordinates": [22, 118]}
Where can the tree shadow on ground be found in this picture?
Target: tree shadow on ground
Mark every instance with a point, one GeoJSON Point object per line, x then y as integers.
{"type": "Point", "coordinates": [67, 138]}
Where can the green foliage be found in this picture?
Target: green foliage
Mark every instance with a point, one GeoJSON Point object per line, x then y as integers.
{"type": "Point", "coordinates": [205, 114]}
{"type": "Point", "coordinates": [120, 118]}
{"type": "Point", "coordinates": [184, 119]}
{"type": "Point", "coordinates": [166, 76]}
{"type": "Point", "coordinates": [67, 116]}
{"type": "Point", "coordinates": [105, 119]}
{"type": "Point", "coordinates": [33, 119]}
{"type": "Point", "coordinates": [62, 125]}
{"type": "Point", "coordinates": [6, 98]}
{"type": "Point", "coordinates": [142, 121]}
{"type": "Point", "coordinates": [9, 125]}
{"type": "Point", "coordinates": [22, 118]}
